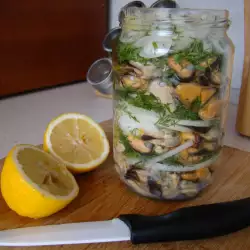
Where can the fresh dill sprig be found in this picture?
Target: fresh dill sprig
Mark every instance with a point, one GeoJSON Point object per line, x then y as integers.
{"type": "Point", "coordinates": [127, 52]}
{"type": "Point", "coordinates": [167, 74]}
{"type": "Point", "coordinates": [173, 161]}
{"type": "Point", "coordinates": [210, 155]}
{"type": "Point", "coordinates": [195, 54]}
{"type": "Point", "coordinates": [181, 113]}
{"type": "Point", "coordinates": [123, 107]}
{"type": "Point", "coordinates": [124, 92]}
{"type": "Point", "coordinates": [129, 151]}
{"type": "Point", "coordinates": [149, 102]}
{"type": "Point", "coordinates": [159, 62]}
{"type": "Point", "coordinates": [142, 99]}
{"type": "Point", "coordinates": [196, 104]}
{"type": "Point", "coordinates": [166, 120]}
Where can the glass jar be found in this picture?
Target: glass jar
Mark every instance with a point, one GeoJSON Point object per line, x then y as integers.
{"type": "Point", "coordinates": [172, 72]}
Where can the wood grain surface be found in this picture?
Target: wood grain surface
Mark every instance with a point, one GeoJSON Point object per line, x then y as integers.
{"type": "Point", "coordinates": [103, 196]}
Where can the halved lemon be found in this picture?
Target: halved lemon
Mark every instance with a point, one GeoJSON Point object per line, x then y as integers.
{"type": "Point", "coordinates": [78, 141]}
{"type": "Point", "coordinates": [34, 183]}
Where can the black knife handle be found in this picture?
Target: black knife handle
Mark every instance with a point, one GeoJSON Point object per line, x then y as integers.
{"type": "Point", "coordinates": [190, 223]}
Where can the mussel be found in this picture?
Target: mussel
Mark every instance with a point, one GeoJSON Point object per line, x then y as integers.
{"type": "Point", "coordinates": [210, 62]}
{"type": "Point", "coordinates": [147, 71]}
{"type": "Point", "coordinates": [140, 188]}
{"type": "Point", "coordinates": [191, 136]}
{"type": "Point", "coordinates": [133, 82]}
{"type": "Point", "coordinates": [212, 110]}
{"type": "Point", "coordinates": [211, 74]}
{"type": "Point", "coordinates": [143, 147]}
{"type": "Point", "coordinates": [184, 69]}
{"type": "Point", "coordinates": [188, 93]}
{"type": "Point", "coordinates": [216, 77]}
{"type": "Point", "coordinates": [198, 175]}
{"type": "Point", "coordinates": [189, 159]}
{"type": "Point", "coordinates": [169, 185]}
{"type": "Point", "coordinates": [189, 188]}
{"type": "Point", "coordinates": [212, 135]}
{"type": "Point", "coordinates": [169, 139]}
{"type": "Point", "coordinates": [154, 187]}
{"type": "Point", "coordinates": [199, 149]}
{"type": "Point", "coordinates": [200, 130]}
{"type": "Point", "coordinates": [207, 94]}
{"type": "Point", "coordinates": [132, 174]}
{"type": "Point", "coordinates": [211, 146]}
{"type": "Point", "coordinates": [203, 78]}
{"type": "Point", "coordinates": [147, 136]}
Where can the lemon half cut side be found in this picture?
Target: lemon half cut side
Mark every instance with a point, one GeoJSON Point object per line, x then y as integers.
{"type": "Point", "coordinates": [34, 183]}
{"type": "Point", "coordinates": [78, 141]}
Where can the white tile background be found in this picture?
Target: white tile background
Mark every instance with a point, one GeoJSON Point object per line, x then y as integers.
{"type": "Point", "coordinates": [236, 31]}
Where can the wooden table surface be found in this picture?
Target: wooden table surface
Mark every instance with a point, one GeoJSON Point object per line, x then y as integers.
{"type": "Point", "coordinates": [103, 196]}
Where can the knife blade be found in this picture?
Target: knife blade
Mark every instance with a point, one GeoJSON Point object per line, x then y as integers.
{"type": "Point", "coordinates": [188, 223]}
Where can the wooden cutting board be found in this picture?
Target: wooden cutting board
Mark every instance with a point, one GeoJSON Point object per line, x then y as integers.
{"type": "Point", "coordinates": [103, 196]}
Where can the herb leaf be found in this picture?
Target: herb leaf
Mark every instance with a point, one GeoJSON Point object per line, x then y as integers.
{"type": "Point", "coordinates": [127, 52]}
{"type": "Point", "coordinates": [173, 161]}
{"type": "Point", "coordinates": [195, 54]}
{"type": "Point", "coordinates": [129, 151]}
{"type": "Point", "coordinates": [181, 113]}
{"type": "Point", "coordinates": [196, 104]}
{"type": "Point", "coordinates": [155, 45]}
{"type": "Point", "coordinates": [143, 99]}
{"type": "Point", "coordinates": [123, 107]}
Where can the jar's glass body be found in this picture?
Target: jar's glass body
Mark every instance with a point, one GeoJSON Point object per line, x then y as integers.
{"type": "Point", "coordinates": [172, 71]}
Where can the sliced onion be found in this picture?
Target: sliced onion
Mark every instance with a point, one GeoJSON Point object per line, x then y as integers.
{"type": "Point", "coordinates": [170, 153]}
{"type": "Point", "coordinates": [194, 123]}
{"type": "Point", "coordinates": [162, 46]}
{"type": "Point", "coordinates": [141, 113]}
{"type": "Point", "coordinates": [178, 128]}
{"type": "Point", "coordinates": [150, 39]}
{"type": "Point", "coordinates": [149, 51]}
{"type": "Point", "coordinates": [145, 120]}
{"type": "Point", "coordinates": [171, 168]}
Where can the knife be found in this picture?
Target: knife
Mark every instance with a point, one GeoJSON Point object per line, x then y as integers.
{"type": "Point", "coordinates": [189, 223]}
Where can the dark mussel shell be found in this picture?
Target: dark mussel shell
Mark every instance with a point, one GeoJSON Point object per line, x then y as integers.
{"type": "Point", "coordinates": [202, 130]}
{"type": "Point", "coordinates": [176, 80]}
{"type": "Point", "coordinates": [205, 78]}
{"type": "Point", "coordinates": [147, 137]}
{"type": "Point", "coordinates": [165, 4]}
{"type": "Point", "coordinates": [154, 187]}
{"type": "Point", "coordinates": [137, 4]}
{"type": "Point", "coordinates": [132, 174]}
{"type": "Point", "coordinates": [206, 153]}
{"type": "Point", "coordinates": [216, 64]}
